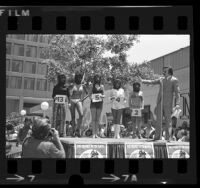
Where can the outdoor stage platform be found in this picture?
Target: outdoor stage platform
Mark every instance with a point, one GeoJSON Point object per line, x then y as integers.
{"type": "Point", "coordinates": [124, 148]}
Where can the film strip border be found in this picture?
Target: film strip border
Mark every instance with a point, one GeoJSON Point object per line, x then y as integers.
{"type": "Point", "coordinates": [109, 23]}
{"type": "Point", "coordinates": [177, 20]}
{"type": "Point", "coordinates": [98, 171]}
{"type": "Point", "coordinates": [44, 20]}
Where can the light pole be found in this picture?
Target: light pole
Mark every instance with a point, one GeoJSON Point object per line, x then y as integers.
{"type": "Point", "coordinates": [44, 107]}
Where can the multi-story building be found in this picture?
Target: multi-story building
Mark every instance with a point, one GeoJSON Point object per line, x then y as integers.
{"type": "Point", "coordinates": [26, 84]}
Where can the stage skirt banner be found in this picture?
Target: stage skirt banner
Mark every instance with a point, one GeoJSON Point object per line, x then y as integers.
{"type": "Point", "coordinates": [139, 150]}
{"type": "Point", "coordinates": [178, 151]}
{"type": "Point", "coordinates": [90, 150]}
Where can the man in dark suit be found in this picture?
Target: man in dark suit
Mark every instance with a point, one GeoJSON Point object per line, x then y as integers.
{"type": "Point", "coordinates": [168, 89]}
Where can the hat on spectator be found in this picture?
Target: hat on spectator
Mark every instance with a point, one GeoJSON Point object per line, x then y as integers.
{"type": "Point", "coordinates": [184, 125]}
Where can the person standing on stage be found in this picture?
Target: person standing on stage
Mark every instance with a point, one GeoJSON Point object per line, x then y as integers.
{"type": "Point", "coordinates": [59, 105]}
{"type": "Point", "coordinates": [76, 93]}
{"type": "Point", "coordinates": [136, 104]}
{"type": "Point", "coordinates": [117, 96]}
{"type": "Point", "coordinates": [96, 105]}
{"type": "Point", "coordinates": [170, 89]}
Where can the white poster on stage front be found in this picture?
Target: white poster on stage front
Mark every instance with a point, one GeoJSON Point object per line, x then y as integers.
{"type": "Point", "coordinates": [178, 150]}
{"type": "Point", "coordinates": [139, 150]}
{"type": "Point", "coordinates": [90, 150]}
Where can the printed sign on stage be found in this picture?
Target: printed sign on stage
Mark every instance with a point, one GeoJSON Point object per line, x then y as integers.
{"type": "Point", "coordinates": [60, 99]}
{"type": "Point", "coordinates": [178, 151]}
{"type": "Point", "coordinates": [90, 151]}
{"type": "Point", "coordinates": [139, 150]}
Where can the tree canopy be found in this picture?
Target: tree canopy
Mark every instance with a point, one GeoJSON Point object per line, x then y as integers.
{"type": "Point", "coordinates": [92, 54]}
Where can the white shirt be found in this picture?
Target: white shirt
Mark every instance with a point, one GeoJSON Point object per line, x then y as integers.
{"type": "Point", "coordinates": [118, 94]}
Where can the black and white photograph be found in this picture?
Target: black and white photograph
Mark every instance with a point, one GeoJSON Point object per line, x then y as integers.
{"type": "Point", "coordinates": [97, 96]}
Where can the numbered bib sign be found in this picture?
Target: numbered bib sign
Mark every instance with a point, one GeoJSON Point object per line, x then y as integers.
{"type": "Point", "coordinates": [136, 112]}
{"type": "Point", "coordinates": [96, 98]}
{"type": "Point", "coordinates": [60, 99]}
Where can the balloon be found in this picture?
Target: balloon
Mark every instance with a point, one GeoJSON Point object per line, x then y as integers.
{"type": "Point", "coordinates": [23, 112]}
{"type": "Point", "coordinates": [44, 105]}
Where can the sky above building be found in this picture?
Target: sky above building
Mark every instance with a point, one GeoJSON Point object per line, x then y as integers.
{"type": "Point", "coordinates": [151, 47]}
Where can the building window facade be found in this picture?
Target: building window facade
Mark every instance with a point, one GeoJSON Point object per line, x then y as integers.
{"type": "Point", "coordinates": [41, 52]}
{"type": "Point", "coordinates": [17, 65]}
{"type": "Point", "coordinates": [9, 36]}
{"type": "Point", "coordinates": [29, 67]}
{"type": "Point", "coordinates": [31, 51]}
{"type": "Point", "coordinates": [7, 64]}
{"type": "Point", "coordinates": [14, 82]}
{"type": "Point", "coordinates": [7, 81]}
{"type": "Point", "coordinates": [42, 69]}
{"type": "Point", "coordinates": [19, 37]}
{"type": "Point", "coordinates": [33, 38]}
{"type": "Point", "coordinates": [8, 48]}
{"type": "Point", "coordinates": [29, 83]}
{"type": "Point", "coordinates": [49, 86]}
{"type": "Point", "coordinates": [12, 105]}
{"type": "Point", "coordinates": [42, 39]}
{"type": "Point", "coordinates": [41, 84]}
{"type": "Point", "coordinates": [19, 49]}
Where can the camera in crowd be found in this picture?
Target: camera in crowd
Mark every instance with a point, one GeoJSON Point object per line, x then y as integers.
{"type": "Point", "coordinates": [51, 133]}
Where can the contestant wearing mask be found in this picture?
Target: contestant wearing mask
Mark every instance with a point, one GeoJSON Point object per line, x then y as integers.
{"type": "Point", "coordinates": [136, 103]}
{"type": "Point", "coordinates": [76, 92]}
{"type": "Point", "coordinates": [59, 105]}
{"type": "Point", "coordinates": [96, 105]}
{"type": "Point", "coordinates": [117, 97]}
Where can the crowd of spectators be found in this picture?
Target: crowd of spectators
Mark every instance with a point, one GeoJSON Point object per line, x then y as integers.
{"type": "Point", "coordinates": [39, 140]}
{"type": "Point", "coordinates": [36, 138]}
{"type": "Point", "coordinates": [179, 133]}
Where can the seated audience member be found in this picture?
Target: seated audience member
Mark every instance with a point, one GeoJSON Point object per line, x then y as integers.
{"type": "Point", "coordinates": [184, 137]}
{"type": "Point", "coordinates": [9, 130]}
{"type": "Point", "coordinates": [176, 132]}
{"type": "Point", "coordinates": [143, 131]}
{"type": "Point", "coordinates": [183, 128]}
{"type": "Point", "coordinates": [44, 141]}
{"type": "Point", "coordinates": [150, 131]}
{"type": "Point", "coordinates": [188, 136]}
{"type": "Point", "coordinates": [24, 131]}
